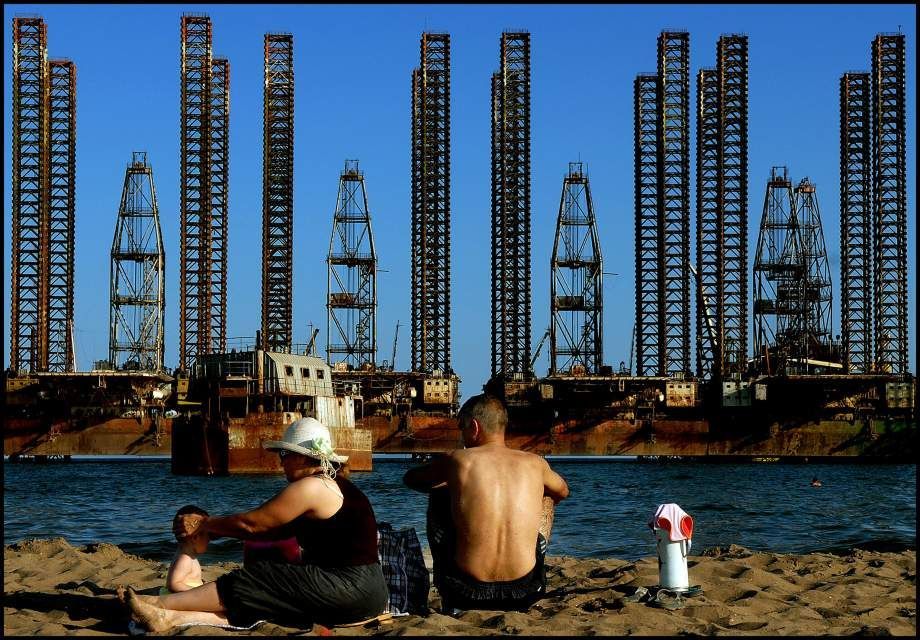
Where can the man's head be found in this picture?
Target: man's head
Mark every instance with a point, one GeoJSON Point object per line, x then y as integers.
{"type": "Point", "coordinates": [482, 419]}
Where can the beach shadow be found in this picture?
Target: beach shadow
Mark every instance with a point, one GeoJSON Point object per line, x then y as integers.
{"type": "Point", "coordinates": [109, 612]}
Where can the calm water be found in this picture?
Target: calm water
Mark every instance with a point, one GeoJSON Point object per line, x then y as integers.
{"type": "Point", "coordinates": [761, 506]}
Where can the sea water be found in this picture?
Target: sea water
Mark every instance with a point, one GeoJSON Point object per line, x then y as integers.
{"type": "Point", "coordinates": [770, 507]}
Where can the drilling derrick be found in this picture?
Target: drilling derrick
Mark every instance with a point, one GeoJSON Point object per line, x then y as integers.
{"type": "Point", "coordinates": [889, 203]}
{"type": "Point", "coordinates": [722, 211]}
{"type": "Point", "coordinates": [855, 222]}
{"type": "Point", "coordinates": [576, 303]}
{"type": "Point", "coordinates": [431, 206]}
{"type": "Point", "coordinates": [137, 275]}
{"type": "Point", "coordinates": [511, 208]}
{"type": "Point", "coordinates": [663, 211]}
{"type": "Point", "coordinates": [352, 283]}
{"type": "Point", "coordinates": [29, 267]}
{"type": "Point", "coordinates": [203, 201]}
{"type": "Point", "coordinates": [648, 265]}
{"type": "Point", "coordinates": [278, 193]}
{"type": "Point", "coordinates": [62, 142]}
{"type": "Point", "coordinates": [816, 289]}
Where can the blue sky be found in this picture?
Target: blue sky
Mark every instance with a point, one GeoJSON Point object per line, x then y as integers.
{"type": "Point", "coordinates": [352, 100]}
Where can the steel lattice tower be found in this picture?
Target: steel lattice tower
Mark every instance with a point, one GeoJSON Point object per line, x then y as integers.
{"type": "Point", "coordinates": [674, 199]}
{"type": "Point", "coordinates": [62, 144]}
{"type": "Point", "coordinates": [28, 304]}
{"type": "Point", "coordinates": [648, 266]}
{"type": "Point", "coordinates": [278, 193]}
{"type": "Point", "coordinates": [351, 328]}
{"type": "Point", "coordinates": [708, 223]}
{"type": "Point", "coordinates": [889, 173]}
{"type": "Point", "coordinates": [778, 269]}
{"type": "Point", "coordinates": [722, 210]}
{"type": "Point", "coordinates": [511, 208]}
{"type": "Point", "coordinates": [138, 282]}
{"type": "Point", "coordinates": [219, 148]}
{"type": "Point", "coordinates": [576, 287]}
{"type": "Point", "coordinates": [817, 291]}
{"type": "Point", "coordinates": [855, 222]}
{"type": "Point", "coordinates": [431, 206]}
{"type": "Point", "coordinates": [44, 145]}
{"type": "Point", "coordinates": [203, 200]}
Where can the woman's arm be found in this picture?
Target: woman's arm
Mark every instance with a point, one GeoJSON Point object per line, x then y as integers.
{"type": "Point", "coordinates": [298, 498]}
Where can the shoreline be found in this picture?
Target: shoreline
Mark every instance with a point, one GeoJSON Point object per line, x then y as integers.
{"type": "Point", "coordinates": [53, 588]}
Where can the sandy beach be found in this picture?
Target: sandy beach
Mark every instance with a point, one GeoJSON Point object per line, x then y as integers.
{"type": "Point", "coordinates": [52, 588]}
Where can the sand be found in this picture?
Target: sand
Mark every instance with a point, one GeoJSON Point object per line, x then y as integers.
{"type": "Point", "coordinates": [52, 588]}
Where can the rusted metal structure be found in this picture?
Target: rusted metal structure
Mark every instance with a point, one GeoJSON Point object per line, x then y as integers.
{"type": "Point", "coordinates": [138, 280]}
{"type": "Point", "coordinates": [278, 193]}
{"type": "Point", "coordinates": [431, 206]}
{"type": "Point", "coordinates": [62, 146]}
{"type": "Point", "coordinates": [204, 114]}
{"type": "Point", "coordinates": [511, 208]}
{"type": "Point", "coordinates": [721, 300]}
{"type": "Point", "coordinates": [663, 326]}
{"type": "Point", "coordinates": [351, 330]}
{"type": "Point", "coordinates": [576, 285]}
{"type": "Point", "coordinates": [43, 190]}
{"type": "Point", "coordinates": [889, 182]}
{"type": "Point", "coordinates": [856, 222]}
{"type": "Point", "coordinates": [792, 286]}
{"type": "Point", "coordinates": [648, 266]}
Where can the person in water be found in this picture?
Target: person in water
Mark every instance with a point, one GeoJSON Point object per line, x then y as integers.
{"type": "Point", "coordinates": [340, 579]}
{"type": "Point", "coordinates": [490, 514]}
{"type": "Point", "coordinates": [815, 482]}
{"type": "Point", "coordinates": [185, 570]}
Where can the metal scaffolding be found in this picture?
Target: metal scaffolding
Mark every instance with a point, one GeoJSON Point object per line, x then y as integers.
{"type": "Point", "coordinates": [62, 143]}
{"type": "Point", "coordinates": [674, 199]}
{"type": "Point", "coordinates": [44, 145]}
{"type": "Point", "coordinates": [721, 301]}
{"type": "Point", "coordinates": [511, 208]}
{"type": "Point", "coordinates": [203, 201]}
{"type": "Point", "coordinates": [431, 206]}
{"type": "Point", "coordinates": [648, 267]}
{"type": "Point", "coordinates": [855, 222]}
{"type": "Point", "coordinates": [793, 296]}
{"type": "Point", "coordinates": [663, 173]}
{"type": "Point", "coordinates": [351, 329]}
{"type": "Point", "coordinates": [28, 332]}
{"type": "Point", "coordinates": [278, 193]}
{"type": "Point", "coordinates": [137, 279]}
{"type": "Point", "coordinates": [576, 287]}
{"type": "Point", "coordinates": [889, 173]}
{"type": "Point", "coordinates": [219, 149]}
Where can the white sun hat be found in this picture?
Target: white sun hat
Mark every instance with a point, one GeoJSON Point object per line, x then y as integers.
{"type": "Point", "coordinates": [308, 437]}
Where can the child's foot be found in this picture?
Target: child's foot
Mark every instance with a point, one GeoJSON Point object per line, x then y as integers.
{"type": "Point", "coordinates": [147, 615]}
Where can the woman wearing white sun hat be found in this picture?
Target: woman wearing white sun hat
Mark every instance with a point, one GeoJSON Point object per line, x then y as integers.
{"type": "Point", "coordinates": [340, 579]}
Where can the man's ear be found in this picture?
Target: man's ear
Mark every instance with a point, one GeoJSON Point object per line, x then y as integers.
{"type": "Point", "coordinates": [476, 428]}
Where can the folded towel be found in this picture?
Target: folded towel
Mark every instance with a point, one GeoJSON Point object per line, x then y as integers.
{"type": "Point", "coordinates": [674, 520]}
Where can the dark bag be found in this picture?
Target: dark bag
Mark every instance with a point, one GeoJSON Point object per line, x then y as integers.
{"type": "Point", "coordinates": [404, 569]}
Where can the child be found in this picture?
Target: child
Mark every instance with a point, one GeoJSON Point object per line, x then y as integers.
{"type": "Point", "coordinates": [185, 570]}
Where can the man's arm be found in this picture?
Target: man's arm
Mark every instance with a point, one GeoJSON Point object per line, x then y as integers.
{"type": "Point", "coordinates": [554, 486]}
{"type": "Point", "coordinates": [428, 476]}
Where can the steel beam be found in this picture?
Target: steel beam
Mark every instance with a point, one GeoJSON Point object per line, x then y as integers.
{"type": "Point", "coordinates": [219, 181]}
{"type": "Point", "coordinates": [648, 267]}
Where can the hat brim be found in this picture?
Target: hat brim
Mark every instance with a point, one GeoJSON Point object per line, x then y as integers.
{"type": "Point", "coordinates": [274, 445]}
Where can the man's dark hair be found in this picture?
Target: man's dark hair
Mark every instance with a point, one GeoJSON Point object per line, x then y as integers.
{"type": "Point", "coordinates": [190, 508]}
{"type": "Point", "coordinates": [487, 410]}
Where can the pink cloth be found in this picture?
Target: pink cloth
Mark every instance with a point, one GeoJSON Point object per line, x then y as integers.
{"type": "Point", "coordinates": [674, 520]}
{"type": "Point", "coordinates": [287, 550]}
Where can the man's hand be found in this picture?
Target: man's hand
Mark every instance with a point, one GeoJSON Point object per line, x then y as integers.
{"type": "Point", "coordinates": [187, 525]}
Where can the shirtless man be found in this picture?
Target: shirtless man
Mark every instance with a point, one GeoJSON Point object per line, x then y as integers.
{"type": "Point", "coordinates": [490, 514]}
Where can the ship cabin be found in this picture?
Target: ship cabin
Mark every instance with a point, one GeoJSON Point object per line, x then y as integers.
{"type": "Point", "coordinates": [244, 382]}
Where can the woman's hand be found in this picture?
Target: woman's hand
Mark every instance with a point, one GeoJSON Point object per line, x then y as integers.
{"type": "Point", "coordinates": [188, 524]}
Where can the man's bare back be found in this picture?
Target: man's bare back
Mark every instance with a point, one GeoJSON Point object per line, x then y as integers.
{"type": "Point", "coordinates": [497, 506]}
